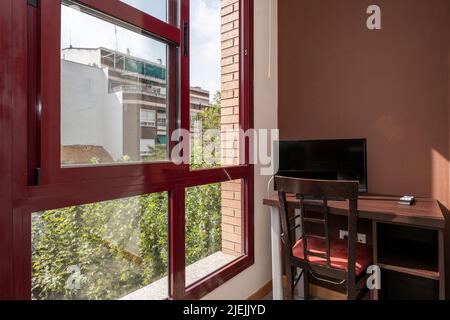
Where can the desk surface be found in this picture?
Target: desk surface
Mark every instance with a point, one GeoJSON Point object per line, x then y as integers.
{"type": "Point", "coordinates": [425, 212]}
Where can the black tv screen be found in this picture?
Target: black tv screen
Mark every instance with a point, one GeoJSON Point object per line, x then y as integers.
{"type": "Point", "coordinates": [325, 160]}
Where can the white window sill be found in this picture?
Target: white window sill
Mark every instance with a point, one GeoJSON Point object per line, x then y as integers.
{"type": "Point", "coordinates": [195, 272]}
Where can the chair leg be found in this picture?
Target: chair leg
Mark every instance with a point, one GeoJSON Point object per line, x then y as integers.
{"type": "Point", "coordinates": [306, 284]}
{"type": "Point", "coordinates": [351, 290]}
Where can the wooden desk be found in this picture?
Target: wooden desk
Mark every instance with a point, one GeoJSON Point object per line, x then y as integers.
{"type": "Point", "coordinates": [425, 214]}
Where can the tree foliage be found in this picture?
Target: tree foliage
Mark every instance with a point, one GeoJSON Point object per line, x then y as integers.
{"type": "Point", "coordinates": [118, 246]}
{"type": "Point", "coordinates": [206, 139]}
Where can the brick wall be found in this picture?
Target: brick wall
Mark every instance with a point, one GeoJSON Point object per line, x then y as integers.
{"type": "Point", "coordinates": [232, 236]}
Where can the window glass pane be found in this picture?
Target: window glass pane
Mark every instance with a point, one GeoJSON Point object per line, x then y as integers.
{"type": "Point", "coordinates": [110, 250]}
{"type": "Point", "coordinates": [214, 228]}
{"type": "Point", "coordinates": [214, 83]}
{"type": "Point", "coordinates": [156, 8]}
{"type": "Point", "coordinates": [110, 78]}
{"type": "Point", "coordinates": [148, 118]}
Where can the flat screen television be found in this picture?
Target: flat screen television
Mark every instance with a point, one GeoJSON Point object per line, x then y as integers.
{"type": "Point", "coordinates": [325, 160]}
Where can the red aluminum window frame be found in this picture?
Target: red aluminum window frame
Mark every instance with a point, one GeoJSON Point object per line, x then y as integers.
{"type": "Point", "coordinates": [21, 199]}
{"type": "Point", "coordinates": [50, 168]}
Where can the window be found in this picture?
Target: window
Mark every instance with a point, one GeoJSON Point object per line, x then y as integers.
{"type": "Point", "coordinates": [215, 104]}
{"type": "Point", "coordinates": [116, 249]}
{"type": "Point", "coordinates": [148, 118]}
{"type": "Point", "coordinates": [156, 8]}
{"type": "Point", "coordinates": [106, 211]}
{"type": "Point", "coordinates": [162, 121]}
{"type": "Point", "coordinates": [147, 145]}
{"type": "Point", "coordinates": [214, 233]}
{"type": "Point", "coordinates": [106, 81]}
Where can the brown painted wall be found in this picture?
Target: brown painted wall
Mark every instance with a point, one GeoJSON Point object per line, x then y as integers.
{"type": "Point", "coordinates": [337, 79]}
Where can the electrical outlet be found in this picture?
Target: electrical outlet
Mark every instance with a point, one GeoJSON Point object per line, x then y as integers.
{"type": "Point", "coordinates": [362, 238]}
{"type": "Point", "coordinates": [343, 234]}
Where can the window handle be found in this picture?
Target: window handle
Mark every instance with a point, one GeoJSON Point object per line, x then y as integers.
{"type": "Point", "coordinates": [186, 38]}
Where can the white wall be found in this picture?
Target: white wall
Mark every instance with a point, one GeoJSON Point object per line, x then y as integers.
{"type": "Point", "coordinates": [265, 117]}
{"type": "Point", "coordinates": [90, 115]}
{"type": "Point", "coordinates": [113, 124]}
{"type": "Point", "coordinates": [83, 56]}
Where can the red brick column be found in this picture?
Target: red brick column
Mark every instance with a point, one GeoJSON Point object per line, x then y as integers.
{"type": "Point", "coordinates": [232, 236]}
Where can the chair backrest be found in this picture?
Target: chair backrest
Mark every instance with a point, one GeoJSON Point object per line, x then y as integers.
{"type": "Point", "coordinates": [317, 193]}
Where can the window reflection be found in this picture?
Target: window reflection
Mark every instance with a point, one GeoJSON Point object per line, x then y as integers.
{"type": "Point", "coordinates": [113, 84]}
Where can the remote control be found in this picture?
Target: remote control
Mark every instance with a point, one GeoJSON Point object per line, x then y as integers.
{"type": "Point", "coordinates": [407, 200]}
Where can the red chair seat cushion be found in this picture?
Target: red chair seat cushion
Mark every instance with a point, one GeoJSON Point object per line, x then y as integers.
{"type": "Point", "coordinates": [338, 254]}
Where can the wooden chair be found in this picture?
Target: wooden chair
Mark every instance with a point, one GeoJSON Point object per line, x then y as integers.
{"type": "Point", "coordinates": [331, 260]}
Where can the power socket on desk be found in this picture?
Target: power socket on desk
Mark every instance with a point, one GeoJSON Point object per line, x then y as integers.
{"type": "Point", "coordinates": [343, 234]}
{"type": "Point", "coordinates": [362, 238]}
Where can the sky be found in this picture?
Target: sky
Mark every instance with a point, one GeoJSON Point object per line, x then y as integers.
{"type": "Point", "coordinates": [82, 30]}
